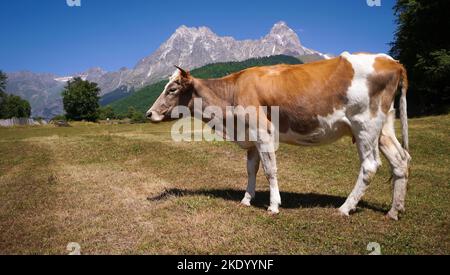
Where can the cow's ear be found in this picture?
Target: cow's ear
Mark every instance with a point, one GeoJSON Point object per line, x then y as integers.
{"type": "Point", "coordinates": [183, 72]}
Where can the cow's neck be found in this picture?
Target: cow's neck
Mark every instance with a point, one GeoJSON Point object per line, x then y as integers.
{"type": "Point", "coordinates": [214, 92]}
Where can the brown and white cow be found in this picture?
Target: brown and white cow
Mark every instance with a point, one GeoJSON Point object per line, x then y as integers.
{"type": "Point", "coordinates": [351, 95]}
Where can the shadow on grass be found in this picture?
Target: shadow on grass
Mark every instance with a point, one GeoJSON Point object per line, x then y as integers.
{"type": "Point", "coordinates": [290, 200]}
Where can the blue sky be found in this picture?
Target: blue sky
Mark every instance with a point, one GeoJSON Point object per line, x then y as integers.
{"type": "Point", "coordinates": [49, 36]}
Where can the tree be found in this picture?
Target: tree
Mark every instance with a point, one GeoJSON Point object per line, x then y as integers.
{"type": "Point", "coordinates": [424, 48]}
{"type": "Point", "coordinates": [80, 99]}
{"type": "Point", "coordinates": [11, 105]}
{"type": "Point", "coordinates": [3, 79]}
{"type": "Point", "coordinates": [3, 98]}
{"type": "Point", "coordinates": [15, 106]}
{"type": "Point", "coordinates": [131, 111]}
{"type": "Point", "coordinates": [3, 95]}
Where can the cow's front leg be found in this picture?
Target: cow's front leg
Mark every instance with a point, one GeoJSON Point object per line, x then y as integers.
{"type": "Point", "coordinates": [269, 162]}
{"type": "Point", "coordinates": [253, 161]}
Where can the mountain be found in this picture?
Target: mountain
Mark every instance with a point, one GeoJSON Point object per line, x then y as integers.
{"type": "Point", "coordinates": [43, 91]}
{"type": "Point", "coordinates": [196, 47]}
{"type": "Point", "coordinates": [188, 47]}
{"type": "Point", "coordinates": [143, 98]}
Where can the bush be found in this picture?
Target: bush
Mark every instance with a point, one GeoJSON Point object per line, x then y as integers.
{"type": "Point", "coordinates": [136, 116]}
{"type": "Point", "coordinates": [106, 113]}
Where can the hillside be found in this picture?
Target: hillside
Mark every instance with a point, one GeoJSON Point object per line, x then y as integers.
{"type": "Point", "coordinates": [115, 96]}
{"type": "Point", "coordinates": [142, 99]}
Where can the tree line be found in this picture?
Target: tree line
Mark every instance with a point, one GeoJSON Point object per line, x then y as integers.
{"type": "Point", "coordinates": [422, 44]}
{"type": "Point", "coordinates": [80, 99]}
{"type": "Point", "coordinates": [11, 105]}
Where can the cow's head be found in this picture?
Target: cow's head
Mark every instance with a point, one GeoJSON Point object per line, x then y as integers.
{"type": "Point", "coordinates": [178, 92]}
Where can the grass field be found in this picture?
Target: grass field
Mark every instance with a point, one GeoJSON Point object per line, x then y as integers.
{"type": "Point", "coordinates": [128, 189]}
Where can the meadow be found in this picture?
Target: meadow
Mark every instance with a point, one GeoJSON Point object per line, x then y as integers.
{"type": "Point", "coordinates": [129, 189]}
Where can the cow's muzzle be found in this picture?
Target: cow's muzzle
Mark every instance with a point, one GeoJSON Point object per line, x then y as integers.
{"type": "Point", "coordinates": [154, 116]}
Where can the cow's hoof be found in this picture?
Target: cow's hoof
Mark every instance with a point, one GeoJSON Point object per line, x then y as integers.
{"type": "Point", "coordinates": [392, 215]}
{"type": "Point", "coordinates": [246, 202]}
{"type": "Point", "coordinates": [342, 215]}
{"type": "Point", "coordinates": [343, 212]}
{"type": "Point", "coordinates": [273, 211]}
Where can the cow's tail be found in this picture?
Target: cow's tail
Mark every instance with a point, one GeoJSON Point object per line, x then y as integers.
{"type": "Point", "coordinates": [404, 109]}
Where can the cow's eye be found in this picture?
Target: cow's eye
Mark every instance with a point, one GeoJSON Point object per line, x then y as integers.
{"type": "Point", "coordinates": [173, 90]}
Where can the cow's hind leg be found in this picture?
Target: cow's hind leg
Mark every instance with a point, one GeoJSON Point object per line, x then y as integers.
{"type": "Point", "coordinates": [399, 160]}
{"type": "Point", "coordinates": [253, 161]}
{"type": "Point", "coordinates": [367, 135]}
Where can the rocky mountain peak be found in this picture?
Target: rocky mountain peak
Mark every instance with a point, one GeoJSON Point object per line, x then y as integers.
{"type": "Point", "coordinates": [193, 31]}
{"type": "Point", "coordinates": [96, 70]}
{"type": "Point", "coordinates": [283, 35]}
{"type": "Point", "coordinates": [280, 27]}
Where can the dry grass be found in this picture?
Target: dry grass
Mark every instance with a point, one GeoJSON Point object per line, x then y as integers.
{"type": "Point", "coordinates": [127, 189]}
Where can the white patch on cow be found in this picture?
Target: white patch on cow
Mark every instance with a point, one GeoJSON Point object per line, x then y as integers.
{"type": "Point", "coordinates": [253, 162]}
{"type": "Point", "coordinates": [365, 126]}
{"type": "Point", "coordinates": [291, 137]}
{"type": "Point", "coordinates": [266, 151]}
{"type": "Point", "coordinates": [334, 126]}
{"type": "Point", "coordinates": [331, 128]}
{"type": "Point", "coordinates": [358, 92]}
{"type": "Point", "coordinates": [385, 56]}
{"type": "Point", "coordinates": [172, 79]}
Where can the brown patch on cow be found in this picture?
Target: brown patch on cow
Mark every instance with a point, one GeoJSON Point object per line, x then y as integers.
{"type": "Point", "coordinates": [303, 92]}
{"type": "Point", "coordinates": [383, 84]}
{"type": "Point", "coordinates": [216, 92]}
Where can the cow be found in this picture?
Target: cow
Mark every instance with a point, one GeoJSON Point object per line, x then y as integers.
{"type": "Point", "coordinates": [319, 103]}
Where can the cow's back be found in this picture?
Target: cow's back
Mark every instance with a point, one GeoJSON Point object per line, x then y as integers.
{"type": "Point", "coordinates": [317, 88]}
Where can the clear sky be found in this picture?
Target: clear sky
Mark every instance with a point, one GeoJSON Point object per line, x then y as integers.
{"type": "Point", "coordinates": [49, 36]}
